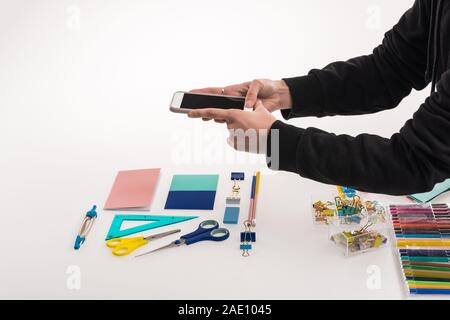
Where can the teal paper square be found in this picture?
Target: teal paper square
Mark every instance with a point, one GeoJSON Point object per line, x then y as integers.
{"type": "Point", "coordinates": [194, 182]}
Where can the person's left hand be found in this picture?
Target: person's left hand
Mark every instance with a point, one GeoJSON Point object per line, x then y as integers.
{"type": "Point", "coordinates": [256, 122]}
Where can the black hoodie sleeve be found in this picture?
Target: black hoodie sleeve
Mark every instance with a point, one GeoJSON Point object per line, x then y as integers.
{"type": "Point", "coordinates": [411, 161]}
{"type": "Point", "coordinates": [370, 83]}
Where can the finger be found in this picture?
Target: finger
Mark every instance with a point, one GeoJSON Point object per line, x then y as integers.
{"type": "Point", "coordinates": [206, 119]}
{"type": "Point", "coordinates": [237, 89]}
{"type": "Point", "coordinates": [243, 88]}
{"type": "Point", "coordinates": [233, 90]}
{"type": "Point", "coordinates": [210, 113]}
{"type": "Point", "coordinates": [252, 94]}
{"type": "Point", "coordinates": [220, 121]}
{"type": "Point", "coordinates": [259, 106]}
{"type": "Point", "coordinates": [211, 90]}
{"type": "Point", "coordinates": [232, 125]}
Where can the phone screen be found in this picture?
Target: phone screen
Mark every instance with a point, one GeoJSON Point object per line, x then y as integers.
{"type": "Point", "coordinates": [200, 101]}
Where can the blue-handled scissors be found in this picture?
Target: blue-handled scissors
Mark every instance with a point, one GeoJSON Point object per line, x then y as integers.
{"type": "Point", "coordinates": [207, 231]}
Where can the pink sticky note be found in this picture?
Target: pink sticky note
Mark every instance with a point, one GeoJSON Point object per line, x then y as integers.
{"type": "Point", "coordinates": [133, 189]}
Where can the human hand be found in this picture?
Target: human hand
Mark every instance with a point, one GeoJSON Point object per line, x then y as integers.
{"type": "Point", "coordinates": [274, 95]}
{"type": "Point", "coordinates": [243, 125]}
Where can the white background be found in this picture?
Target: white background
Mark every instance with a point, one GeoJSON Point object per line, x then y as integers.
{"type": "Point", "coordinates": [84, 92]}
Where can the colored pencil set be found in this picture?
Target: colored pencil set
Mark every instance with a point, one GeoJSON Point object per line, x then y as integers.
{"type": "Point", "coordinates": [422, 234]}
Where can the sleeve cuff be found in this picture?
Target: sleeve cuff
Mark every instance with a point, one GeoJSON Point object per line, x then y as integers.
{"type": "Point", "coordinates": [282, 142]}
{"type": "Point", "coordinates": [307, 97]}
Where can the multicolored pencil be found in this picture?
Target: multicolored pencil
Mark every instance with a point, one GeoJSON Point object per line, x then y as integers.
{"type": "Point", "coordinates": [423, 243]}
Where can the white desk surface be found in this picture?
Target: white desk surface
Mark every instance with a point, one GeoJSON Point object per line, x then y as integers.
{"type": "Point", "coordinates": [80, 103]}
{"type": "Point", "coordinates": [291, 259]}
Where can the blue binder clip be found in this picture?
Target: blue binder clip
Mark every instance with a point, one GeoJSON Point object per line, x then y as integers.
{"type": "Point", "coordinates": [349, 192]}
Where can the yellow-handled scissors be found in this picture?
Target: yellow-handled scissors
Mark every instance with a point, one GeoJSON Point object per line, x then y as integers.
{"type": "Point", "coordinates": [125, 246]}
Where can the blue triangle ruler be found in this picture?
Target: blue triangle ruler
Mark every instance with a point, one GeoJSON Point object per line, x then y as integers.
{"type": "Point", "coordinates": [157, 221]}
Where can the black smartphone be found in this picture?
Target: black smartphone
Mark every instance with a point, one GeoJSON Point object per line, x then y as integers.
{"type": "Point", "coordinates": [183, 102]}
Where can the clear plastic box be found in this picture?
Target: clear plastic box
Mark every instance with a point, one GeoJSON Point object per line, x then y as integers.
{"type": "Point", "coordinates": [354, 240]}
{"type": "Point", "coordinates": [376, 212]}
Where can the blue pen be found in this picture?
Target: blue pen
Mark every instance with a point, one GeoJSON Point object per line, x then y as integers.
{"type": "Point", "coordinates": [252, 192]}
{"type": "Point", "coordinates": [86, 227]}
{"type": "Point", "coordinates": [429, 291]}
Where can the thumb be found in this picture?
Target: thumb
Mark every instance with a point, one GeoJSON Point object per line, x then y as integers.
{"type": "Point", "coordinates": [259, 107]}
{"type": "Point", "coordinates": [252, 94]}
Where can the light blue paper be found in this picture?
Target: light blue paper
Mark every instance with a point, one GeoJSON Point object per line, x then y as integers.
{"type": "Point", "coordinates": [438, 189]}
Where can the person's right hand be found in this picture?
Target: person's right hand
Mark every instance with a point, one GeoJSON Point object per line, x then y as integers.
{"type": "Point", "coordinates": [274, 95]}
